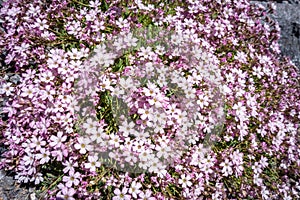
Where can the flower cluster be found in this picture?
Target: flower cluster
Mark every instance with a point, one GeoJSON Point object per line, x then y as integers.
{"type": "Point", "coordinates": [152, 101]}
{"type": "Point", "coordinates": [104, 108]}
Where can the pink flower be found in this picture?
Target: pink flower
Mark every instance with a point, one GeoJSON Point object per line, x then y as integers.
{"type": "Point", "coordinates": [152, 89]}
{"type": "Point", "coordinates": [257, 168]}
{"type": "Point", "coordinates": [134, 189]}
{"type": "Point", "coordinates": [83, 145]}
{"type": "Point", "coordinates": [69, 165]}
{"type": "Point", "coordinates": [99, 25]}
{"type": "Point", "coordinates": [90, 125]}
{"type": "Point", "coordinates": [93, 163]}
{"type": "Point", "coordinates": [203, 101]}
{"type": "Point", "coordinates": [72, 179]}
{"type": "Point", "coordinates": [48, 93]}
{"type": "Point", "coordinates": [41, 24]}
{"type": "Point", "coordinates": [37, 143]}
{"type": "Point", "coordinates": [56, 141]}
{"type": "Point", "coordinates": [122, 23]}
{"type": "Point", "coordinates": [239, 108]}
{"type": "Point", "coordinates": [38, 178]}
{"type": "Point", "coordinates": [146, 113]}
{"type": "Point", "coordinates": [227, 169]}
{"type": "Point", "coordinates": [66, 193]}
{"type": "Point", "coordinates": [114, 140]}
{"type": "Point", "coordinates": [121, 195]}
{"type": "Point", "coordinates": [146, 195]}
{"type": "Point", "coordinates": [43, 156]}
{"type": "Point", "coordinates": [6, 89]}
{"type": "Point", "coordinates": [127, 128]}
{"type": "Point", "coordinates": [47, 77]}
{"type": "Point", "coordinates": [29, 159]}
{"type": "Point", "coordinates": [263, 161]}
{"type": "Point", "coordinates": [28, 91]}
{"type": "Point", "coordinates": [185, 180]}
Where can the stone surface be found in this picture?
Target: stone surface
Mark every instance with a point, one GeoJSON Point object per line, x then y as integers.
{"type": "Point", "coordinates": [10, 190]}
{"type": "Point", "coordinates": [288, 17]}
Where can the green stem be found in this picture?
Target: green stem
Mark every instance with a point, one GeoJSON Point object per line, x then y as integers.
{"type": "Point", "coordinates": [80, 3]}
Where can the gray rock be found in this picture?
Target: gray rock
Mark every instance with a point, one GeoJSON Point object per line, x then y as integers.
{"type": "Point", "coordinates": [288, 17]}
{"type": "Point", "coordinates": [15, 78]}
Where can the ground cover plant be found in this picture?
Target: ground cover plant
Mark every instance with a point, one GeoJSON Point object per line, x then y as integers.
{"type": "Point", "coordinates": [124, 99]}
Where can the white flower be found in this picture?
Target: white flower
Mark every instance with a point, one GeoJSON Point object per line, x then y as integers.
{"type": "Point", "coordinates": [99, 25]}
{"type": "Point", "coordinates": [160, 50]}
{"type": "Point", "coordinates": [47, 77]}
{"type": "Point", "coordinates": [202, 101]}
{"type": "Point", "coordinates": [263, 161]}
{"type": "Point", "coordinates": [127, 128]}
{"type": "Point", "coordinates": [257, 168]}
{"type": "Point", "coordinates": [241, 56]}
{"type": "Point", "coordinates": [105, 85]}
{"type": "Point", "coordinates": [185, 180]}
{"type": "Point", "coordinates": [163, 150]}
{"type": "Point", "coordinates": [57, 140]}
{"type": "Point", "coordinates": [90, 125]}
{"type": "Point", "coordinates": [41, 24]}
{"type": "Point", "coordinates": [29, 159]}
{"type": "Point", "coordinates": [126, 83]}
{"type": "Point", "coordinates": [190, 93]}
{"type": "Point", "coordinates": [47, 93]}
{"type": "Point", "coordinates": [130, 41]}
{"type": "Point", "coordinates": [122, 23]}
{"type": "Point", "coordinates": [93, 163]}
{"type": "Point", "coordinates": [145, 155]}
{"type": "Point", "coordinates": [37, 143]}
{"type": "Point", "coordinates": [38, 178]}
{"type": "Point", "coordinates": [145, 52]}
{"type": "Point", "coordinates": [146, 113]}
{"type": "Point", "coordinates": [43, 156]}
{"type": "Point", "coordinates": [134, 189]}
{"type": "Point", "coordinates": [257, 71]}
{"type": "Point", "coordinates": [154, 165]}
{"type": "Point", "coordinates": [69, 166]}
{"type": "Point", "coordinates": [114, 140]}
{"type": "Point", "coordinates": [7, 89]}
{"type": "Point", "coordinates": [227, 169]}
{"type": "Point", "coordinates": [28, 91]}
{"type": "Point", "coordinates": [265, 193]}
{"type": "Point", "coordinates": [97, 135]}
{"type": "Point", "coordinates": [83, 145]}
{"type": "Point", "coordinates": [72, 179]}
{"type": "Point", "coordinates": [121, 195]}
{"type": "Point", "coordinates": [239, 108]}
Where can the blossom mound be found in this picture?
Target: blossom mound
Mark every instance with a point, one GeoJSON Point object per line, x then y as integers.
{"type": "Point", "coordinates": [132, 100]}
{"type": "Point", "coordinates": [150, 100]}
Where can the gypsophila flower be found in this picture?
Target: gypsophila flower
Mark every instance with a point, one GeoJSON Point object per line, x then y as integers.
{"type": "Point", "coordinates": [70, 166]}
{"type": "Point", "coordinates": [57, 140]}
{"type": "Point", "coordinates": [37, 143]}
{"type": "Point", "coordinates": [66, 193]}
{"type": "Point", "coordinates": [83, 145]}
{"type": "Point", "coordinates": [121, 195]}
{"type": "Point", "coordinates": [209, 100]}
{"type": "Point", "coordinates": [147, 195]}
{"type": "Point", "coordinates": [93, 163]}
{"type": "Point", "coordinates": [28, 91]}
{"type": "Point", "coordinates": [134, 189]}
{"type": "Point", "coordinates": [6, 89]}
{"type": "Point", "coordinates": [185, 180]}
{"type": "Point", "coordinates": [44, 156]}
{"type": "Point", "coordinates": [226, 167]}
{"type": "Point", "coordinates": [72, 179]}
